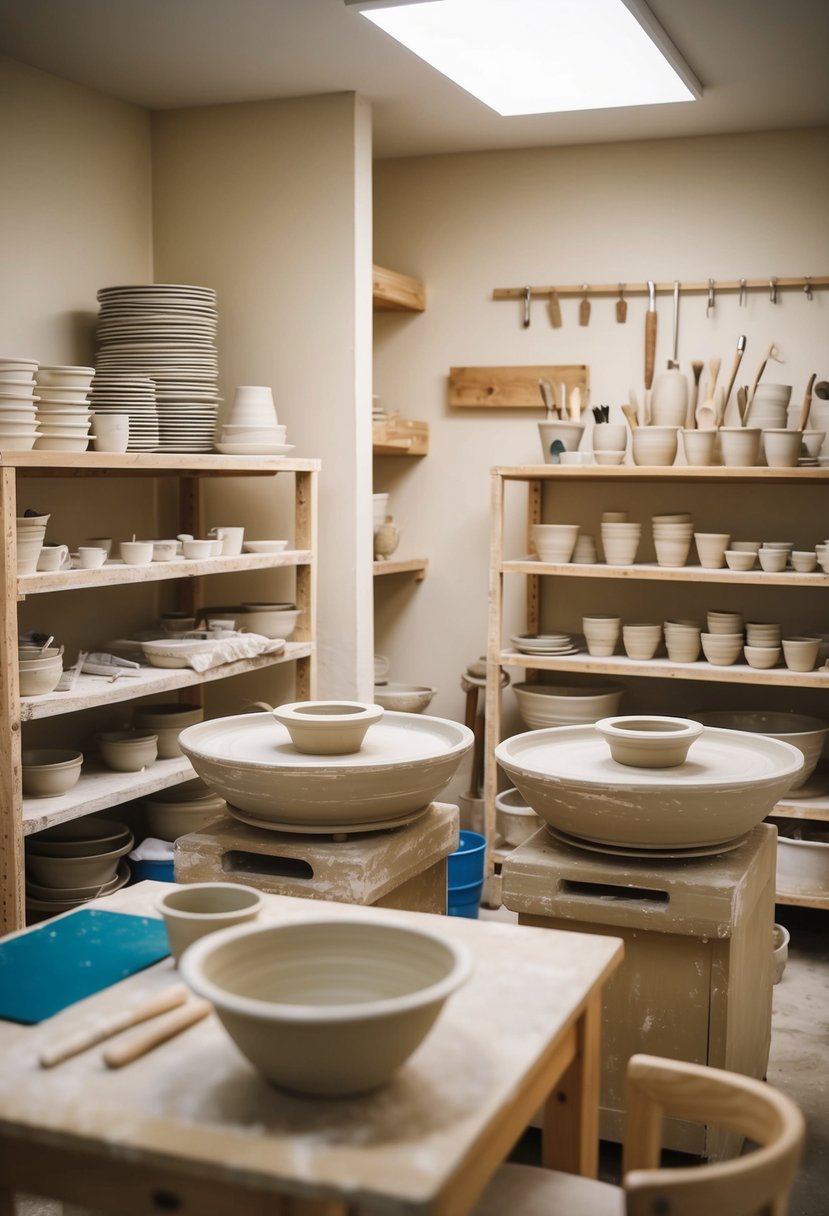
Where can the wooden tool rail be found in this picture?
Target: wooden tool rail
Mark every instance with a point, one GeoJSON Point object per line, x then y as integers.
{"type": "Point", "coordinates": [805, 283]}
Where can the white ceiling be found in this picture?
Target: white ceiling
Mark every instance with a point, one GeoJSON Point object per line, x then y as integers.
{"type": "Point", "coordinates": [763, 64]}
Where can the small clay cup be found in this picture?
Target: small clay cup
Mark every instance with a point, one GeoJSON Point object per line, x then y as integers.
{"type": "Point", "coordinates": [193, 911]}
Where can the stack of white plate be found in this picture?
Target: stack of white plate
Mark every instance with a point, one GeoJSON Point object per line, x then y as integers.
{"type": "Point", "coordinates": [63, 408]}
{"type": "Point", "coordinates": [115, 393]}
{"type": "Point", "coordinates": [546, 643]}
{"type": "Point", "coordinates": [18, 412]}
{"type": "Point", "coordinates": [167, 332]}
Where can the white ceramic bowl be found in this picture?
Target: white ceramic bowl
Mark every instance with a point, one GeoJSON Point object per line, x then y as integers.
{"type": "Point", "coordinates": [740, 445]}
{"type": "Point", "coordinates": [781, 447]}
{"type": "Point", "coordinates": [65, 374]}
{"type": "Point", "coordinates": [269, 622]}
{"type": "Point", "coordinates": [555, 542]}
{"type": "Point", "coordinates": [762, 657]}
{"type": "Point", "coordinates": [568, 434]}
{"type": "Point", "coordinates": [174, 652]}
{"type": "Point", "coordinates": [802, 865]}
{"type": "Point", "coordinates": [541, 705]}
{"type": "Point", "coordinates": [772, 560]}
{"type": "Point", "coordinates": [404, 763]}
{"type": "Point", "coordinates": [405, 698]}
{"type": "Point", "coordinates": [728, 785]}
{"type": "Point", "coordinates": [59, 442]}
{"type": "Point", "coordinates": [740, 559]}
{"type": "Point", "coordinates": [264, 546]}
{"type": "Point", "coordinates": [801, 731]}
{"type": "Point", "coordinates": [328, 1006]}
{"type": "Point", "coordinates": [327, 728]}
{"type": "Point", "coordinates": [608, 456]}
{"type": "Point", "coordinates": [722, 649]}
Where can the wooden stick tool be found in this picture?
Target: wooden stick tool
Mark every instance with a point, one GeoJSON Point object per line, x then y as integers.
{"type": "Point", "coordinates": [105, 1028]}
{"type": "Point", "coordinates": [137, 1045]}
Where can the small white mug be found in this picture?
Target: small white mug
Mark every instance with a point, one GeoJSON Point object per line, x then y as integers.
{"type": "Point", "coordinates": [231, 538]}
{"type": "Point", "coordinates": [110, 432]}
{"type": "Point", "coordinates": [54, 557]}
{"type": "Point", "coordinates": [91, 558]}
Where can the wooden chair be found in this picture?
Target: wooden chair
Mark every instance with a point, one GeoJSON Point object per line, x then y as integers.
{"type": "Point", "coordinates": [756, 1183]}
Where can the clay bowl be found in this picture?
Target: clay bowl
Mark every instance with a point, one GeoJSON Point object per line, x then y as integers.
{"type": "Point", "coordinates": [174, 652]}
{"type": "Point", "coordinates": [405, 698]}
{"type": "Point", "coordinates": [722, 649]}
{"type": "Point", "coordinates": [191, 912]}
{"type": "Point", "coordinates": [39, 676]}
{"type": "Point", "coordinates": [404, 763]}
{"type": "Point", "coordinates": [799, 730]}
{"type": "Point", "coordinates": [95, 870]}
{"type": "Point", "coordinates": [654, 445]}
{"type": "Point", "coordinates": [740, 559]}
{"type": "Point", "coordinates": [270, 620]}
{"type": "Point", "coordinates": [728, 784]}
{"type": "Point", "coordinates": [327, 1006]}
{"type": "Point", "coordinates": [541, 705]}
{"type": "Point", "coordinates": [167, 721]}
{"type": "Point", "coordinates": [78, 895]}
{"type": "Point", "coordinates": [79, 838]}
{"type": "Point", "coordinates": [649, 741]}
{"type": "Point", "coordinates": [515, 822]}
{"type": "Point", "coordinates": [182, 809]}
{"type": "Point", "coordinates": [762, 657]}
{"type": "Point", "coordinates": [328, 728]}
{"type": "Point", "coordinates": [127, 751]}
{"type": "Point", "coordinates": [50, 772]}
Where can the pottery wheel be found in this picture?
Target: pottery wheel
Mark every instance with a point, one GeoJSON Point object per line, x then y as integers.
{"type": "Point", "coordinates": [318, 829]}
{"type": "Point", "coordinates": [619, 850]}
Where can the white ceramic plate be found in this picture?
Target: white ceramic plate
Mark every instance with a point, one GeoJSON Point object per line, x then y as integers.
{"type": "Point", "coordinates": [264, 546]}
{"type": "Point", "coordinates": [255, 449]}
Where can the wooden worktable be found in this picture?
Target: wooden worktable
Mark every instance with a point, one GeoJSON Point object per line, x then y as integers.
{"type": "Point", "coordinates": [191, 1128]}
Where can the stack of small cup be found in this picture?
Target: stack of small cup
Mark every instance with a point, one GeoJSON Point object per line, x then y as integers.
{"type": "Point", "coordinates": [762, 648]}
{"type": "Point", "coordinates": [555, 542]}
{"type": "Point", "coordinates": [601, 634]}
{"type": "Point", "coordinates": [722, 645]}
{"type": "Point", "coordinates": [620, 538]}
{"type": "Point", "coordinates": [672, 536]}
{"type": "Point", "coordinates": [682, 641]}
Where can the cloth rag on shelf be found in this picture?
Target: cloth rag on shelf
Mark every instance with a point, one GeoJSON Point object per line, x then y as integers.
{"type": "Point", "coordinates": [153, 849]}
{"type": "Point", "coordinates": [243, 646]}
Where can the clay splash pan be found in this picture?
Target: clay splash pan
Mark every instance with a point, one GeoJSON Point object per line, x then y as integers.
{"type": "Point", "coordinates": [404, 763]}
{"type": "Point", "coordinates": [729, 782]}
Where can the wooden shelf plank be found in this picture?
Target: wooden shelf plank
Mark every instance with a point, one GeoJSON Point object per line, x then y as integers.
{"type": "Point", "coordinates": [514, 387]}
{"type": "Point", "coordinates": [98, 789]}
{"type": "Point", "coordinates": [91, 691]}
{"type": "Point", "coordinates": [664, 669]}
{"type": "Point", "coordinates": [651, 572]}
{"type": "Point", "coordinates": [394, 292]}
{"type": "Point", "coordinates": [396, 436]}
{"type": "Point", "coordinates": [677, 473]}
{"type": "Point", "coordinates": [118, 574]}
{"type": "Point", "coordinates": [152, 464]}
{"type": "Point", "coordinates": [412, 565]}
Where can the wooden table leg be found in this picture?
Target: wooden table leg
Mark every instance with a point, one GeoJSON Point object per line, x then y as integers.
{"type": "Point", "coordinates": [571, 1113]}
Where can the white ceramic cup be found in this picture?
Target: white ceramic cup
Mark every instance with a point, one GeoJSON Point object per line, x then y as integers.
{"type": "Point", "coordinates": [253, 405]}
{"type": "Point", "coordinates": [91, 558]}
{"type": "Point", "coordinates": [54, 557]}
{"type": "Point", "coordinates": [98, 542]}
{"type": "Point", "coordinates": [110, 432]}
{"type": "Point", "coordinates": [136, 552]}
{"type": "Point", "coordinates": [232, 539]}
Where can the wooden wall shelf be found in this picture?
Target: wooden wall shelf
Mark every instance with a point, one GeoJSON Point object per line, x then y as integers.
{"type": "Point", "coordinates": [393, 292]}
{"type": "Point", "coordinates": [396, 436]}
{"type": "Point", "coordinates": [413, 565]}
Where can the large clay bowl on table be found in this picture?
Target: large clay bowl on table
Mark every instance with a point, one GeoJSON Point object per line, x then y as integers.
{"type": "Point", "coordinates": [403, 764]}
{"type": "Point", "coordinates": [728, 784]}
{"type": "Point", "coordinates": [805, 733]}
{"type": "Point", "coordinates": [330, 1006]}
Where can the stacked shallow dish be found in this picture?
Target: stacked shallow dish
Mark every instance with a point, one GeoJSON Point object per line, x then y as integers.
{"type": "Point", "coordinates": [63, 411]}
{"type": "Point", "coordinates": [166, 332]}
{"type": "Point", "coordinates": [74, 862]}
{"type": "Point", "coordinates": [18, 412]}
{"type": "Point", "coordinates": [545, 643]}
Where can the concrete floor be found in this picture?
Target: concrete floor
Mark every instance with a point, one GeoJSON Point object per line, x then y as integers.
{"type": "Point", "coordinates": [798, 1063]}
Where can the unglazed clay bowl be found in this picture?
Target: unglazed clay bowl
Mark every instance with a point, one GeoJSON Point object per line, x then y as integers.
{"type": "Point", "coordinates": [762, 657]}
{"type": "Point", "coordinates": [654, 445]}
{"type": "Point", "coordinates": [514, 820]}
{"type": "Point", "coordinates": [328, 728]}
{"type": "Point", "coordinates": [801, 653]}
{"type": "Point", "coordinates": [127, 751]}
{"type": "Point", "coordinates": [404, 763]}
{"type": "Point", "coordinates": [740, 559]}
{"type": "Point", "coordinates": [79, 838]}
{"type": "Point", "coordinates": [649, 740]}
{"type": "Point", "coordinates": [799, 730]}
{"type": "Point", "coordinates": [94, 870]}
{"type": "Point", "coordinates": [50, 772]}
{"type": "Point", "coordinates": [541, 705]}
{"type": "Point", "coordinates": [327, 1006]}
{"type": "Point", "coordinates": [167, 721]}
{"type": "Point", "coordinates": [727, 785]}
{"type": "Point", "coordinates": [182, 809]}
{"type": "Point", "coordinates": [191, 912]}
{"type": "Point", "coordinates": [405, 698]}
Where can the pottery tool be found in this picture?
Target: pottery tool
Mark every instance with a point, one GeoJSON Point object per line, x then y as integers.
{"type": "Point", "coordinates": [584, 307]}
{"type": "Point", "coordinates": [547, 397]}
{"type": "Point", "coordinates": [709, 308]}
{"type": "Point", "coordinates": [139, 1044]}
{"type": "Point", "coordinates": [806, 407]}
{"type": "Point", "coordinates": [555, 310]}
{"type": "Point", "coordinates": [575, 404]}
{"type": "Point", "coordinates": [738, 354]}
{"type": "Point", "coordinates": [105, 1028]}
{"type": "Point", "coordinates": [719, 408]}
{"type": "Point", "coordinates": [633, 402]}
{"type": "Point", "coordinates": [630, 413]}
{"type": "Point", "coordinates": [706, 412]}
{"type": "Point", "coordinates": [771, 353]}
{"type": "Point", "coordinates": [742, 403]}
{"type": "Point", "coordinates": [526, 298]}
{"type": "Point", "coordinates": [650, 334]}
{"type": "Point", "coordinates": [674, 362]}
{"type": "Point", "coordinates": [690, 418]}
{"type": "Point", "coordinates": [621, 306]}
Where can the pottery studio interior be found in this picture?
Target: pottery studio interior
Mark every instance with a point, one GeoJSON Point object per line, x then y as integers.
{"type": "Point", "coordinates": [414, 773]}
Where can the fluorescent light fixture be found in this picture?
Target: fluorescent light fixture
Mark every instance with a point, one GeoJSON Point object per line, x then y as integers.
{"type": "Point", "coordinates": [542, 56]}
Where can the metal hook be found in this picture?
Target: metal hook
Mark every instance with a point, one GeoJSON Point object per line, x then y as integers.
{"type": "Point", "coordinates": [743, 299]}
{"type": "Point", "coordinates": [527, 296]}
{"type": "Point", "coordinates": [710, 306]}
{"type": "Point", "coordinates": [773, 290]}
{"type": "Point", "coordinates": [807, 288]}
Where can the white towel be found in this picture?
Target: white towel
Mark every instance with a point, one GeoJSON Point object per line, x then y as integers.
{"type": "Point", "coordinates": [243, 646]}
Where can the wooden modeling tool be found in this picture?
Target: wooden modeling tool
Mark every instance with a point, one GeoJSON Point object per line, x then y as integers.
{"type": "Point", "coordinates": [137, 1045]}
{"type": "Point", "coordinates": [806, 407]}
{"type": "Point", "coordinates": [621, 306]}
{"type": "Point", "coordinates": [555, 310]}
{"type": "Point", "coordinates": [584, 307]}
{"type": "Point", "coordinates": [691, 417]}
{"type": "Point", "coordinates": [74, 1044]}
{"type": "Point", "coordinates": [735, 367]}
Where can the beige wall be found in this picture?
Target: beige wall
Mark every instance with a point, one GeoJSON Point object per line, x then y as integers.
{"type": "Point", "coordinates": [270, 204]}
{"type": "Point", "coordinates": [730, 207]}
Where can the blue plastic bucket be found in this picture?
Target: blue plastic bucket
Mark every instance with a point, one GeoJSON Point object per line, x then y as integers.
{"type": "Point", "coordinates": [464, 901]}
{"type": "Point", "coordinates": [466, 864]}
{"type": "Point", "coordinates": [160, 871]}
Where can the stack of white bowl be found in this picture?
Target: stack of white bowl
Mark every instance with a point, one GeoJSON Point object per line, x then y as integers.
{"type": "Point", "coordinates": [672, 535]}
{"type": "Point", "coordinates": [31, 530]}
{"type": "Point", "coordinates": [555, 542]}
{"type": "Point", "coordinates": [620, 540]}
{"type": "Point", "coordinates": [722, 645]}
{"type": "Point", "coordinates": [682, 640]}
{"type": "Point", "coordinates": [63, 411]}
{"type": "Point", "coordinates": [253, 425]}
{"type": "Point", "coordinates": [18, 412]}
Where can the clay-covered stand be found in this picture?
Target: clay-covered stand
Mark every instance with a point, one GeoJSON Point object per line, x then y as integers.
{"type": "Point", "coordinates": [355, 821]}
{"type": "Point", "coordinates": [696, 914]}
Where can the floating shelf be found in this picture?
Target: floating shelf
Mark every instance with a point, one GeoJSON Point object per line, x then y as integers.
{"type": "Point", "coordinates": [393, 292]}
{"type": "Point", "coordinates": [396, 436]}
{"type": "Point", "coordinates": [664, 669]}
{"type": "Point", "coordinates": [652, 572]}
{"type": "Point", "coordinates": [413, 565]}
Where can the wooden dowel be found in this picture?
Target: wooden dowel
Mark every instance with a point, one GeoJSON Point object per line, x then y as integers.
{"type": "Point", "coordinates": [641, 289]}
{"type": "Point", "coordinates": [87, 1037]}
{"type": "Point", "coordinates": [139, 1044]}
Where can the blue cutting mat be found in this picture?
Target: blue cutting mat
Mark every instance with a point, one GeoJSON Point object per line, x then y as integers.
{"type": "Point", "coordinates": [66, 959]}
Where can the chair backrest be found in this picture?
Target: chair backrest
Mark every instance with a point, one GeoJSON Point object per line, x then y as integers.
{"type": "Point", "coordinates": [757, 1182]}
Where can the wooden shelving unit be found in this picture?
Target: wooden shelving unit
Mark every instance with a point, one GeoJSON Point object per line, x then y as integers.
{"type": "Point", "coordinates": [100, 789]}
{"type": "Point", "coordinates": [541, 479]}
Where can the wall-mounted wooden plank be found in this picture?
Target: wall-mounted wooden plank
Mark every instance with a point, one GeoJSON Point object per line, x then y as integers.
{"type": "Point", "coordinates": [396, 292]}
{"type": "Point", "coordinates": [514, 387]}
